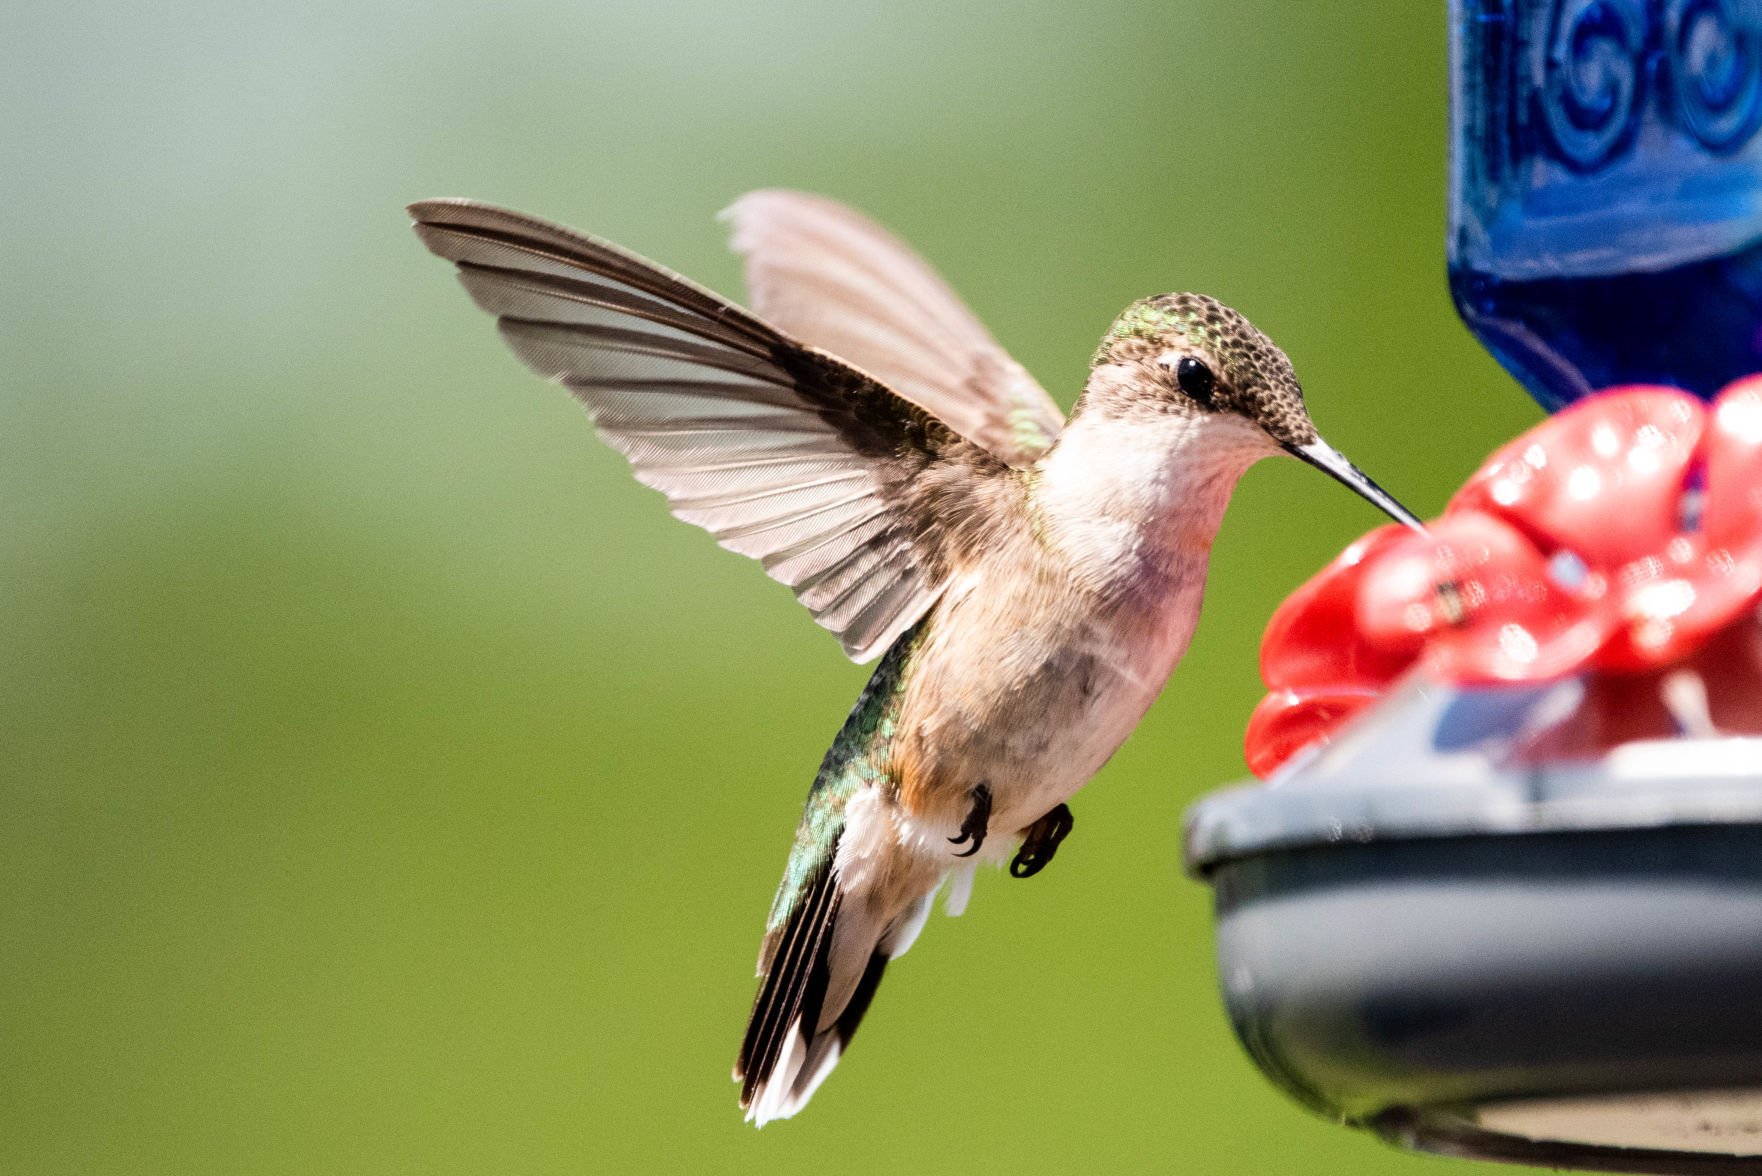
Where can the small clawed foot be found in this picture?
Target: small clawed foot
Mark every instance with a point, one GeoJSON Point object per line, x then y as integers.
{"type": "Point", "coordinates": [977, 824]}
{"type": "Point", "coordinates": [1041, 843]}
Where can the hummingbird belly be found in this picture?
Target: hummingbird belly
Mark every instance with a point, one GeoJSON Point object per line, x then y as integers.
{"type": "Point", "coordinates": [1030, 700]}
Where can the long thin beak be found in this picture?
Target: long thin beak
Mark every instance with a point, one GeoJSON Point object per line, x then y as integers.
{"type": "Point", "coordinates": [1332, 462]}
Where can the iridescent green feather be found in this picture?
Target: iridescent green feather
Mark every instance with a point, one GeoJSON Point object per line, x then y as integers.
{"type": "Point", "coordinates": [1025, 430]}
{"type": "Point", "coordinates": [1151, 318]}
{"type": "Point", "coordinates": [855, 760]}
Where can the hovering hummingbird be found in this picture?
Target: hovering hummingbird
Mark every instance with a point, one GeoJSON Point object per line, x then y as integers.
{"type": "Point", "coordinates": [1028, 582]}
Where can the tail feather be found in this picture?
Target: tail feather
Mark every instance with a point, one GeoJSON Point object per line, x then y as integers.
{"type": "Point", "coordinates": [789, 995]}
{"type": "Point", "coordinates": [823, 968]}
{"type": "Point", "coordinates": [859, 933]}
{"type": "Point", "coordinates": [829, 1043]}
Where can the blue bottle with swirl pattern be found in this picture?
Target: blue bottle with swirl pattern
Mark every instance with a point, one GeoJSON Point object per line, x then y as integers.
{"type": "Point", "coordinates": [1606, 190]}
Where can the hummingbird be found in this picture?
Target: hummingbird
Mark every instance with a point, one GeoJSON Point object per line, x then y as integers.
{"type": "Point", "coordinates": [1028, 583]}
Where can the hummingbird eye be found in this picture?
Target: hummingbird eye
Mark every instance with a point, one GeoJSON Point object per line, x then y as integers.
{"type": "Point", "coordinates": [1195, 378]}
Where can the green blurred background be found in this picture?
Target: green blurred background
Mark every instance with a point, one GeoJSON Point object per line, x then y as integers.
{"type": "Point", "coordinates": [390, 786]}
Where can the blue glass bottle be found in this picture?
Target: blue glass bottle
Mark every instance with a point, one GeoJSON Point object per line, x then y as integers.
{"type": "Point", "coordinates": [1606, 190]}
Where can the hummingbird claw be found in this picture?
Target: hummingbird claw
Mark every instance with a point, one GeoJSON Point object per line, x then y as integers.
{"type": "Point", "coordinates": [1042, 842]}
{"type": "Point", "coordinates": [977, 823]}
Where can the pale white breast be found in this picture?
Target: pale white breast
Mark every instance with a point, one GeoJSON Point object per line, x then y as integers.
{"type": "Point", "coordinates": [1116, 493]}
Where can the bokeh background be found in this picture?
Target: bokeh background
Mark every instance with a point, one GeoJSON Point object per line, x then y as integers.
{"type": "Point", "coordinates": [388, 785]}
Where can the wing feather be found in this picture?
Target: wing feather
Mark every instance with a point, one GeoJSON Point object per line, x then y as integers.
{"type": "Point", "coordinates": [780, 451]}
{"type": "Point", "coordinates": [835, 279]}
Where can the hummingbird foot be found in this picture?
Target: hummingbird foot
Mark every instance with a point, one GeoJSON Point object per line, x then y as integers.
{"type": "Point", "coordinates": [977, 823]}
{"type": "Point", "coordinates": [1042, 842]}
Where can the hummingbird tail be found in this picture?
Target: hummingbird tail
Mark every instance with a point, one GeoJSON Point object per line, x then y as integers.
{"type": "Point", "coordinates": [820, 970]}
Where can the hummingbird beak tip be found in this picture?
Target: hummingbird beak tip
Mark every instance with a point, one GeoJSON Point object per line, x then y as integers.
{"type": "Point", "coordinates": [1332, 462]}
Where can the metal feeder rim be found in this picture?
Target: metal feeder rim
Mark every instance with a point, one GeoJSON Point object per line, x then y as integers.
{"type": "Point", "coordinates": [1638, 785]}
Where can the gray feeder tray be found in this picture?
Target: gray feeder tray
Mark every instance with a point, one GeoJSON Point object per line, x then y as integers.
{"type": "Point", "coordinates": [1551, 964]}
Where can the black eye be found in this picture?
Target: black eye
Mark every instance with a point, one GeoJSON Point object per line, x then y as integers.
{"type": "Point", "coordinates": [1195, 379]}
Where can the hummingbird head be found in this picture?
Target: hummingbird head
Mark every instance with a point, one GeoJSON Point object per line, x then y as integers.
{"type": "Point", "coordinates": [1191, 356]}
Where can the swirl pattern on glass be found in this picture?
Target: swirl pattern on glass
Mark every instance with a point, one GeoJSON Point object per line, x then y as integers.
{"type": "Point", "coordinates": [1713, 63]}
{"type": "Point", "coordinates": [1596, 64]}
{"type": "Point", "coordinates": [1592, 80]}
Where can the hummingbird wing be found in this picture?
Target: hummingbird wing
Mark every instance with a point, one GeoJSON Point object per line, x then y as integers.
{"type": "Point", "coordinates": [780, 451]}
{"type": "Point", "coordinates": [835, 279]}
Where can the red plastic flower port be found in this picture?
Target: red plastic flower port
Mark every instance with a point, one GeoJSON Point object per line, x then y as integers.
{"type": "Point", "coordinates": [1619, 537]}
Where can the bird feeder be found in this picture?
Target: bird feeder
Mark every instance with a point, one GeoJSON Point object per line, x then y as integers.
{"type": "Point", "coordinates": [1501, 894]}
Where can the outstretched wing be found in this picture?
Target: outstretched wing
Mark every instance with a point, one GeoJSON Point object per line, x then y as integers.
{"type": "Point", "coordinates": [781, 452]}
{"type": "Point", "coordinates": [835, 279]}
